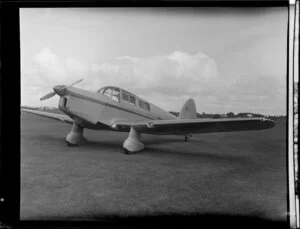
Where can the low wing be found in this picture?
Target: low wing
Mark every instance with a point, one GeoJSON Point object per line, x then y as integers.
{"type": "Point", "coordinates": [60, 117]}
{"type": "Point", "coordinates": [186, 126]}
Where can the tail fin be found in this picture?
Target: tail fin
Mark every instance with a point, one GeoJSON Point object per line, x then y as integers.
{"type": "Point", "coordinates": [188, 110]}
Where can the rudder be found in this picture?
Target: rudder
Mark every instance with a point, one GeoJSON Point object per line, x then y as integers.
{"type": "Point", "coordinates": [188, 110]}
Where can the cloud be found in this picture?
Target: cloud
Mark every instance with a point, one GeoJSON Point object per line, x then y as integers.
{"type": "Point", "coordinates": [76, 66]}
{"type": "Point", "coordinates": [50, 69]}
{"type": "Point", "coordinates": [251, 94]}
{"type": "Point", "coordinates": [166, 80]}
{"type": "Point", "coordinates": [132, 59]}
{"type": "Point", "coordinates": [173, 74]}
{"type": "Point", "coordinates": [49, 62]}
{"type": "Point", "coordinates": [255, 86]}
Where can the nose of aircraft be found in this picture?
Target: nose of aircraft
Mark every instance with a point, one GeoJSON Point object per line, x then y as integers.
{"type": "Point", "coordinates": [59, 89]}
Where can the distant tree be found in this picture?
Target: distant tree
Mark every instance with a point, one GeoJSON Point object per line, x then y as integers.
{"type": "Point", "coordinates": [230, 115]}
{"type": "Point", "coordinates": [242, 115]}
{"type": "Point", "coordinates": [279, 117]}
{"type": "Point", "coordinates": [209, 115]}
{"type": "Point", "coordinates": [217, 116]}
{"type": "Point", "coordinates": [258, 115]}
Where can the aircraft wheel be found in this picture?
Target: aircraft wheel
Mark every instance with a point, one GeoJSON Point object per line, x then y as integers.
{"type": "Point", "coordinates": [70, 144]}
{"type": "Point", "coordinates": [125, 151]}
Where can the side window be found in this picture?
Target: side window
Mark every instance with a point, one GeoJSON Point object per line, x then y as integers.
{"type": "Point", "coordinates": [141, 104]}
{"type": "Point", "coordinates": [128, 98]}
{"type": "Point", "coordinates": [144, 105]}
{"type": "Point", "coordinates": [132, 99]}
{"type": "Point", "coordinates": [125, 97]}
{"type": "Point", "coordinates": [147, 106]}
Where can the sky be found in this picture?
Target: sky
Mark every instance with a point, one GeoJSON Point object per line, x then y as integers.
{"type": "Point", "coordinates": [226, 59]}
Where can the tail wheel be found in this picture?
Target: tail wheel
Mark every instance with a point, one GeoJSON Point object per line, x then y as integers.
{"type": "Point", "coordinates": [187, 137]}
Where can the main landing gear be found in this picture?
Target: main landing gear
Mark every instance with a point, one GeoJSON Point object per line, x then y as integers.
{"type": "Point", "coordinates": [187, 137]}
{"type": "Point", "coordinates": [75, 137]}
{"type": "Point", "coordinates": [133, 143]}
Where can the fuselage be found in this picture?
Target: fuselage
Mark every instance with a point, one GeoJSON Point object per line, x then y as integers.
{"type": "Point", "coordinates": [99, 110]}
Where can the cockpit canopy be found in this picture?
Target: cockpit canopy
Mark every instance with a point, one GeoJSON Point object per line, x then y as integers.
{"type": "Point", "coordinates": [111, 92]}
{"type": "Point", "coordinates": [115, 94]}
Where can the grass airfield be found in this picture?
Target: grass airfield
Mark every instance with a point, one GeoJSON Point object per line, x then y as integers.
{"type": "Point", "coordinates": [235, 174]}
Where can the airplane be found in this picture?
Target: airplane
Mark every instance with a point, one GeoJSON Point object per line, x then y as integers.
{"type": "Point", "coordinates": [116, 109]}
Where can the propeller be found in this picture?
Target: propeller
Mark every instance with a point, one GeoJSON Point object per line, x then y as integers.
{"type": "Point", "coordinates": [76, 82]}
{"type": "Point", "coordinates": [48, 96]}
{"type": "Point", "coordinates": [58, 88]}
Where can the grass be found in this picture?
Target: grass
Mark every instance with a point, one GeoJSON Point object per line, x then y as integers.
{"type": "Point", "coordinates": [237, 173]}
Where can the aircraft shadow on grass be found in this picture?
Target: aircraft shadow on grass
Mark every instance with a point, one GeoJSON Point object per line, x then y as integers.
{"type": "Point", "coordinates": [171, 152]}
{"type": "Point", "coordinates": [195, 152]}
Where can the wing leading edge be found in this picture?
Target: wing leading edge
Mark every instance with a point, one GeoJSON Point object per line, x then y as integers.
{"type": "Point", "coordinates": [184, 126]}
{"type": "Point", "coordinates": [59, 117]}
{"type": "Point", "coordinates": [177, 126]}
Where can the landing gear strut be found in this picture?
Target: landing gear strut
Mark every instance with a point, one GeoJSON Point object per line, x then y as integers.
{"type": "Point", "coordinates": [75, 137]}
{"type": "Point", "coordinates": [133, 143]}
{"type": "Point", "coordinates": [187, 137]}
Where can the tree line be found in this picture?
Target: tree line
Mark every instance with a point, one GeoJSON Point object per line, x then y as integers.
{"type": "Point", "coordinates": [238, 115]}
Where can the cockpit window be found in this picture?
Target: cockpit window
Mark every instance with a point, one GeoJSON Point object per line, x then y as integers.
{"type": "Point", "coordinates": [100, 91]}
{"type": "Point", "coordinates": [111, 92]}
{"type": "Point", "coordinates": [125, 97]}
{"type": "Point", "coordinates": [132, 99]}
{"type": "Point", "coordinates": [107, 91]}
{"type": "Point", "coordinates": [116, 91]}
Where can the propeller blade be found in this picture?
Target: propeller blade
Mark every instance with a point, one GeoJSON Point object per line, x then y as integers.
{"type": "Point", "coordinates": [76, 82]}
{"type": "Point", "coordinates": [48, 96]}
{"type": "Point", "coordinates": [51, 94]}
